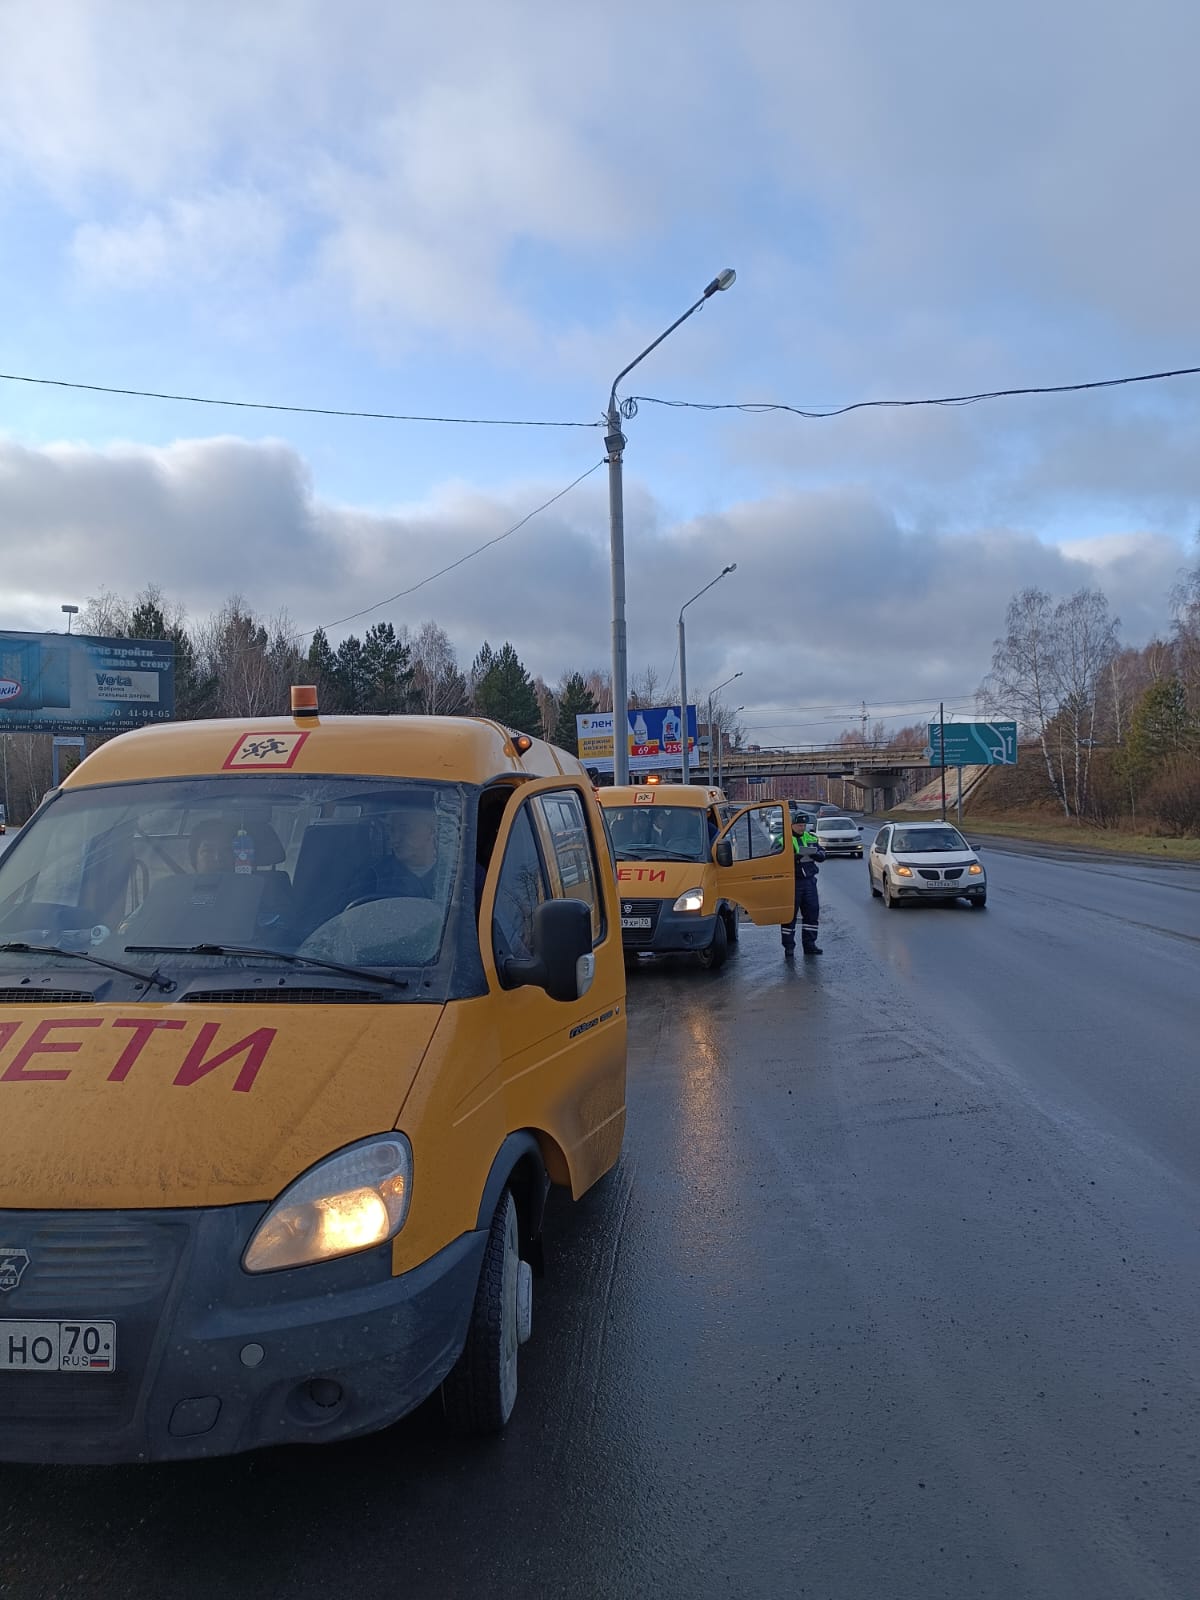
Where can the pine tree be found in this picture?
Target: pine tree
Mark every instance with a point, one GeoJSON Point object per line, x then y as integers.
{"type": "Point", "coordinates": [480, 668]}
{"type": "Point", "coordinates": [505, 691]}
{"type": "Point", "coordinates": [1162, 727]}
{"type": "Point", "coordinates": [575, 699]}
{"type": "Point", "coordinates": [349, 675]}
{"type": "Point", "coordinates": [320, 669]}
{"type": "Point", "coordinates": [386, 671]}
{"type": "Point", "coordinates": [195, 691]}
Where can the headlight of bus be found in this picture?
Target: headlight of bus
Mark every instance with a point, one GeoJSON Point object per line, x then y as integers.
{"type": "Point", "coordinates": [690, 900]}
{"type": "Point", "coordinates": [349, 1202]}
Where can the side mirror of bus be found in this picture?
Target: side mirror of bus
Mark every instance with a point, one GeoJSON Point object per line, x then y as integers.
{"type": "Point", "coordinates": [562, 962]}
{"type": "Point", "coordinates": [723, 852]}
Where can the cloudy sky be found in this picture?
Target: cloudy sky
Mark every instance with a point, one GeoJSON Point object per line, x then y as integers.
{"type": "Point", "coordinates": [481, 210]}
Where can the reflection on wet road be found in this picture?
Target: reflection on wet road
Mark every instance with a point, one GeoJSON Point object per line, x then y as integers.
{"type": "Point", "coordinates": [895, 1293]}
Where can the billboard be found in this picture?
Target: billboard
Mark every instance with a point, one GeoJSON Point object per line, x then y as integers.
{"type": "Point", "coordinates": [74, 683]}
{"type": "Point", "coordinates": [655, 739]}
{"type": "Point", "coordinates": [973, 744]}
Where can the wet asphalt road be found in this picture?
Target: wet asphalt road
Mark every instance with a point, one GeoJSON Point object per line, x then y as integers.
{"type": "Point", "coordinates": [895, 1293]}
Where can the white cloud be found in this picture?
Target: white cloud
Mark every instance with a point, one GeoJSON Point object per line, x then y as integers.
{"type": "Point", "coordinates": [916, 201]}
{"type": "Point", "coordinates": [833, 600]}
{"type": "Point", "coordinates": [225, 232]}
{"type": "Point", "coordinates": [931, 161]}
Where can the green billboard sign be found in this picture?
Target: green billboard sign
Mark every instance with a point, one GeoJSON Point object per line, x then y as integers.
{"type": "Point", "coordinates": [972, 744]}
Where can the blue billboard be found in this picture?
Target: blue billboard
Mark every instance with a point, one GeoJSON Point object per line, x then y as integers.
{"type": "Point", "coordinates": [74, 683]}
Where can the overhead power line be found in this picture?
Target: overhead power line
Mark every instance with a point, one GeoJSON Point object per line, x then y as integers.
{"type": "Point", "coordinates": [461, 561]}
{"type": "Point", "coordinates": [759, 407]}
{"type": "Point", "coordinates": [882, 707]}
{"type": "Point", "coordinates": [308, 411]}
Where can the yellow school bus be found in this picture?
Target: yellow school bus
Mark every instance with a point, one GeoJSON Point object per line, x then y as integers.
{"type": "Point", "coordinates": [300, 1018]}
{"type": "Point", "coordinates": [687, 861]}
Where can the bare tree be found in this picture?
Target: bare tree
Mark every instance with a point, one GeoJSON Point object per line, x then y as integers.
{"type": "Point", "coordinates": [1024, 676]}
{"type": "Point", "coordinates": [647, 689]}
{"type": "Point", "coordinates": [1086, 649]}
{"type": "Point", "coordinates": [1185, 602]}
{"type": "Point", "coordinates": [1049, 671]}
{"type": "Point", "coordinates": [440, 689]}
{"type": "Point", "coordinates": [254, 663]}
{"type": "Point", "coordinates": [106, 615]}
{"type": "Point", "coordinates": [548, 706]}
{"type": "Point", "coordinates": [599, 686]}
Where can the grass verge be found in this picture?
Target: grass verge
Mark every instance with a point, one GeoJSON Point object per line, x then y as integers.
{"type": "Point", "coordinates": [1069, 835]}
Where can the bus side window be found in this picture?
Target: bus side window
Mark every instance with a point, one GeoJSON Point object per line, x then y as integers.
{"type": "Point", "coordinates": [492, 805]}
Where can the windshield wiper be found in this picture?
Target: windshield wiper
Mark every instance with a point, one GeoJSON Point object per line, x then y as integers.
{"type": "Point", "coordinates": [658, 854]}
{"type": "Point", "coordinates": [17, 947]}
{"type": "Point", "coordinates": [268, 955]}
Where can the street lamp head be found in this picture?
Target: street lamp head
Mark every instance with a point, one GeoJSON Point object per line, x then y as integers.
{"type": "Point", "coordinates": [723, 280]}
{"type": "Point", "coordinates": [732, 567]}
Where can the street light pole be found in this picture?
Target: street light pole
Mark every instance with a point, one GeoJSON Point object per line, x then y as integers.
{"type": "Point", "coordinates": [724, 572]}
{"type": "Point", "coordinates": [712, 696]}
{"type": "Point", "coordinates": [614, 443]}
{"type": "Point", "coordinates": [721, 756]}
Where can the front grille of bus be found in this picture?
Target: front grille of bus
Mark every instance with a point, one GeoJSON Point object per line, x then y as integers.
{"type": "Point", "coordinates": [635, 938]}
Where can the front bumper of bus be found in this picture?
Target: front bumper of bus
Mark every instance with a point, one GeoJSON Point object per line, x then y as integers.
{"type": "Point", "coordinates": [210, 1360]}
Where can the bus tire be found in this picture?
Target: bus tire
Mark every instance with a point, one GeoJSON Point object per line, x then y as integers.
{"type": "Point", "coordinates": [713, 955]}
{"type": "Point", "coordinates": [479, 1393]}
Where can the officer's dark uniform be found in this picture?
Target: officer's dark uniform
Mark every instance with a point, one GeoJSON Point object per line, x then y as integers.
{"type": "Point", "coordinates": [808, 905]}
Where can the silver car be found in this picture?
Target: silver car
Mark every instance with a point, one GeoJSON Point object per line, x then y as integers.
{"type": "Point", "coordinates": [925, 861]}
{"type": "Point", "coordinates": [839, 836]}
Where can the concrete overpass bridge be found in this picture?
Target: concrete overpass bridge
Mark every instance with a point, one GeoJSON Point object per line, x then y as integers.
{"type": "Point", "coordinates": [864, 766]}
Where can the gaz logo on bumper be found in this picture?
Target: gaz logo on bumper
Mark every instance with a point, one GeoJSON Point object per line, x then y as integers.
{"type": "Point", "coordinates": [12, 1267]}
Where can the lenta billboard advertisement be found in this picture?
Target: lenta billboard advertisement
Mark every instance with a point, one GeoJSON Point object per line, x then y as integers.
{"type": "Point", "coordinates": [655, 739]}
{"type": "Point", "coordinates": [74, 683]}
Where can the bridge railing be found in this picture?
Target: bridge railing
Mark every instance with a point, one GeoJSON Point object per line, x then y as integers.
{"type": "Point", "coordinates": [814, 758]}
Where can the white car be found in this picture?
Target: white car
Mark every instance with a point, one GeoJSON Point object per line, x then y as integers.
{"type": "Point", "coordinates": [925, 861]}
{"type": "Point", "coordinates": [839, 836]}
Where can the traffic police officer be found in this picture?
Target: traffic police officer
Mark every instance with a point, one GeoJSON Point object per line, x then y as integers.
{"type": "Point", "coordinates": [808, 906]}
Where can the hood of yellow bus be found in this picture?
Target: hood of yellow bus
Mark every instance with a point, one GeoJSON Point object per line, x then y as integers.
{"type": "Point", "coordinates": [160, 1106]}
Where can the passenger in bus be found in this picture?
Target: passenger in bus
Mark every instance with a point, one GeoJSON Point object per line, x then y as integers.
{"type": "Point", "coordinates": [410, 868]}
{"type": "Point", "coordinates": [210, 848]}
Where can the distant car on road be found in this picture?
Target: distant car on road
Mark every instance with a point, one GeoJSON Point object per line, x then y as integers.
{"type": "Point", "coordinates": [838, 836]}
{"type": "Point", "coordinates": [925, 861]}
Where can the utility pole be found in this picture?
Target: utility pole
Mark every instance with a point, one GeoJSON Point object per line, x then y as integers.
{"type": "Point", "coordinates": [614, 444]}
{"type": "Point", "coordinates": [942, 727]}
